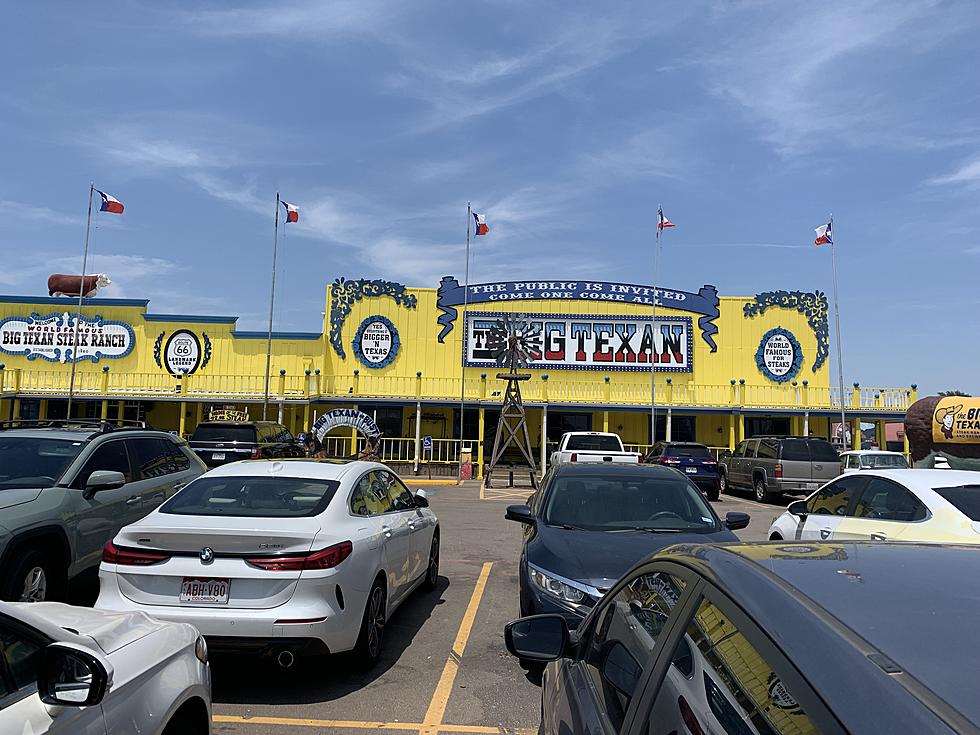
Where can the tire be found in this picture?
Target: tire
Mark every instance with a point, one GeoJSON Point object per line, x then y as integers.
{"type": "Point", "coordinates": [722, 482]}
{"type": "Point", "coordinates": [367, 650]}
{"type": "Point", "coordinates": [714, 492]}
{"type": "Point", "coordinates": [762, 493]}
{"type": "Point", "coordinates": [186, 723]}
{"type": "Point", "coordinates": [33, 579]}
{"type": "Point", "coordinates": [775, 537]}
{"type": "Point", "coordinates": [432, 572]}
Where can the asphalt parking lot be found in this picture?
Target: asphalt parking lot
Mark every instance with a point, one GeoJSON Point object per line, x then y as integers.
{"type": "Point", "coordinates": [444, 668]}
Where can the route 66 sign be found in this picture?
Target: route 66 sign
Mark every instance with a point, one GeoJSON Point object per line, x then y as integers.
{"type": "Point", "coordinates": [182, 353]}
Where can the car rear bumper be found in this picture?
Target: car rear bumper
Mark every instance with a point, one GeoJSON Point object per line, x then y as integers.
{"type": "Point", "coordinates": [797, 487]}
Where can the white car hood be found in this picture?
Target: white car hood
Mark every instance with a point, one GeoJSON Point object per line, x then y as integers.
{"type": "Point", "coordinates": [110, 630]}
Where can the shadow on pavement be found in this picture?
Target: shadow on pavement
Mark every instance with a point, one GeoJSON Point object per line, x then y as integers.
{"type": "Point", "coordinates": [250, 679]}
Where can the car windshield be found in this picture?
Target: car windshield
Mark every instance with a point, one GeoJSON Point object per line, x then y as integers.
{"type": "Point", "coordinates": [34, 461]}
{"type": "Point", "coordinates": [609, 503]}
{"type": "Point", "coordinates": [255, 497]}
{"type": "Point", "coordinates": [594, 443]}
{"type": "Point", "coordinates": [224, 433]}
{"type": "Point", "coordinates": [884, 461]}
{"type": "Point", "coordinates": [695, 451]}
{"type": "Point", "coordinates": [965, 498]}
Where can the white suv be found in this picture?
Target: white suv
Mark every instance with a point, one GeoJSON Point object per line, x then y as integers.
{"type": "Point", "coordinates": [79, 671]}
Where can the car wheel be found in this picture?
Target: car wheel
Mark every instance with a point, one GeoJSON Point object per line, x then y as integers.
{"type": "Point", "coordinates": [33, 579]}
{"type": "Point", "coordinates": [775, 537]}
{"type": "Point", "coordinates": [722, 482]}
{"type": "Point", "coordinates": [186, 723]}
{"type": "Point", "coordinates": [714, 492]}
{"type": "Point", "coordinates": [432, 573]}
{"type": "Point", "coordinates": [370, 640]}
{"type": "Point", "coordinates": [761, 494]}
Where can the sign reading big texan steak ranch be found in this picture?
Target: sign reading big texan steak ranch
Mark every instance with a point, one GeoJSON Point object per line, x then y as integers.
{"type": "Point", "coordinates": [576, 342]}
{"type": "Point", "coordinates": [52, 337]}
{"type": "Point", "coordinates": [956, 420]}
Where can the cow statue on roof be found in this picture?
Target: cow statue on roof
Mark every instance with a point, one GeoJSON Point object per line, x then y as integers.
{"type": "Point", "coordinates": [61, 285]}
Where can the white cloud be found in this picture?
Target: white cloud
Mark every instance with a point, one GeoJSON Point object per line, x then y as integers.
{"type": "Point", "coordinates": [967, 173]}
{"type": "Point", "coordinates": [44, 214]}
{"type": "Point", "coordinates": [130, 274]}
{"type": "Point", "coordinates": [317, 18]}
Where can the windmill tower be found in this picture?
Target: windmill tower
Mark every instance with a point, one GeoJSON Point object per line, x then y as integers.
{"type": "Point", "coordinates": [516, 344]}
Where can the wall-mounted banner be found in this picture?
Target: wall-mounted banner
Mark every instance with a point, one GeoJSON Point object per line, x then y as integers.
{"type": "Point", "coordinates": [376, 342]}
{"type": "Point", "coordinates": [50, 337]}
{"type": "Point", "coordinates": [779, 356]}
{"type": "Point", "coordinates": [574, 342]}
{"type": "Point", "coordinates": [956, 420]}
{"type": "Point", "coordinates": [704, 302]}
{"type": "Point", "coordinates": [345, 417]}
{"type": "Point", "coordinates": [182, 354]}
{"type": "Point", "coordinates": [227, 414]}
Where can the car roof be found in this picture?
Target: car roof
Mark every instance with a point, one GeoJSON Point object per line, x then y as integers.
{"type": "Point", "coordinates": [835, 607]}
{"type": "Point", "coordinates": [872, 451]}
{"type": "Point", "coordinates": [927, 479]}
{"type": "Point", "coordinates": [81, 433]}
{"type": "Point", "coordinates": [614, 469]}
{"type": "Point", "coordinates": [320, 469]}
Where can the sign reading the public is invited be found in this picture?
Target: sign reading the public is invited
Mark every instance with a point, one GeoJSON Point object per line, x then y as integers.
{"type": "Point", "coordinates": [575, 342]}
{"type": "Point", "coordinates": [956, 420]}
{"type": "Point", "coordinates": [53, 337]}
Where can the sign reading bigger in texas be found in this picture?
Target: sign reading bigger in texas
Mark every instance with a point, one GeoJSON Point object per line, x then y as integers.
{"type": "Point", "coordinates": [580, 342]}
{"type": "Point", "coordinates": [52, 337]}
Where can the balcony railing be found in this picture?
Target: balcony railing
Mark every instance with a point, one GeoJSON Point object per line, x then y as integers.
{"type": "Point", "coordinates": [540, 389]}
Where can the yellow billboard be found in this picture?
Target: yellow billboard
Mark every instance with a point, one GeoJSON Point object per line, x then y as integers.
{"type": "Point", "coordinates": [956, 420]}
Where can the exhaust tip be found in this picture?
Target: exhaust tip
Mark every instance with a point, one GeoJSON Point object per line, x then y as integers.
{"type": "Point", "coordinates": [285, 659]}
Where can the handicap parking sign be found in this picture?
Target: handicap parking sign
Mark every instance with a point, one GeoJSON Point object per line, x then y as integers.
{"type": "Point", "coordinates": [427, 443]}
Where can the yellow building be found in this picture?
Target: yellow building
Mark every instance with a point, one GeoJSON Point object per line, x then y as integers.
{"type": "Point", "coordinates": [726, 367]}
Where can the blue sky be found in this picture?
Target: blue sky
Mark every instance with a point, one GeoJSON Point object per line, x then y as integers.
{"type": "Point", "coordinates": [565, 122]}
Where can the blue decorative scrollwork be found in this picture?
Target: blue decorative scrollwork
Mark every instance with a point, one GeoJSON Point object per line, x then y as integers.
{"type": "Point", "coordinates": [395, 343]}
{"type": "Point", "coordinates": [813, 305]}
{"type": "Point", "coordinates": [207, 350]}
{"type": "Point", "coordinates": [344, 294]}
{"type": "Point", "coordinates": [157, 347]}
{"type": "Point", "coordinates": [760, 356]}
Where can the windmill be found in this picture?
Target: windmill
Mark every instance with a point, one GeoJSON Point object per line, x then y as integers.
{"type": "Point", "coordinates": [515, 344]}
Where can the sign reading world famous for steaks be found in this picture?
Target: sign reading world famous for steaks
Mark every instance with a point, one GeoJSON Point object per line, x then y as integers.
{"type": "Point", "coordinates": [577, 342]}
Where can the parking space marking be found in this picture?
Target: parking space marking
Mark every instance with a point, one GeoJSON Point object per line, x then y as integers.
{"type": "Point", "coordinates": [490, 493]}
{"type": "Point", "coordinates": [440, 698]}
{"type": "Point", "coordinates": [359, 725]}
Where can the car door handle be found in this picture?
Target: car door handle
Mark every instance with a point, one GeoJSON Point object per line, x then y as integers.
{"type": "Point", "coordinates": [818, 466]}
{"type": "Point", "coordinates": [180, 486]}
{"type": "Point", "coordinates": [133, 500]}
{"type": "Point", "coordinates": [879, 537]}
{"type": "Point", "coordinates": [824, 533]}
{"type": "Point", "coordinates": [386, 530]}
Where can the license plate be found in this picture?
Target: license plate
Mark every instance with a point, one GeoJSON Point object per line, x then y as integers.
{"type": "Point", "coordinates": [691, 470]}
{"type": "Point", "coordinates": [217, 455]}
{"type": "Point", "coordinates": [212, 591]}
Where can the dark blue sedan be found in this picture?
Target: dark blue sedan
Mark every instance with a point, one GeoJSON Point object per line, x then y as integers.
{"type": "Point", "coordinates": [588, 524]}
{"type": "Point", "coordinates": [694, 460]}
{"type": "Point", "coordinates": [759, 639]}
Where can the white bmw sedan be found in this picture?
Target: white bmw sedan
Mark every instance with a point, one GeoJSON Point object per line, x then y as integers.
{"type": "Point", "coordinates": [288, 557]}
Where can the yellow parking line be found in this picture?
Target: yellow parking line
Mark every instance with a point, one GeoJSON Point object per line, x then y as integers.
{"type": "Point", "coordinates": [305, 722]}
{"type": "Point", "coordinates": [437, 706]}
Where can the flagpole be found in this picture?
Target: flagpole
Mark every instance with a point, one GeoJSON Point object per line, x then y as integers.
{"type": "Point", "coordinates": [840, 358]}
{"type": "Point", "coordinates": [653, 332]}
{"type": "Point", "coordinates": [81, 294]}
{"type": "Point", "coordinates": [462, 372]}
{"type": "Point", "coordinates": [272, 301]}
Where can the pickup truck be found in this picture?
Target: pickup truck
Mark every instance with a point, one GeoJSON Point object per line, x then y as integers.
{"type": "Point", "coordinates": [592, 446]}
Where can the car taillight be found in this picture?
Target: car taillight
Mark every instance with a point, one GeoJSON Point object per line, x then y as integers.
{"type": "Point", "coordinates": [326, 558]}
{"type": "Point", "coordinates": [778, 469]}
{"type": "Point", "coordinates": [573, 458]}
{"type": "Point", "coordinates": [709, 461]}
{"type": "Point", "coordinates": [256, 453]}
{"type": "Point", "coordinates": [670, 460]}
{"type": "Point", "coordinates": [112, 554]}
{"type": "Point", "coordinates": [687, 714]}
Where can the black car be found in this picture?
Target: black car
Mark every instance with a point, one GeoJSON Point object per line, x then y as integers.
{"type": "Point", "coordinates": [220, 442]}
{"type": "Point", "coordinates": [694, 460]}
{"type": "Point", "coordinates": [588, 524]}
{"type": "Point", "coordinates": [769, 638]}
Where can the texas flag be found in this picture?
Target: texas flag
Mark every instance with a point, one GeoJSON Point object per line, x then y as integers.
{"type": "Point", "coordinates": [662, 221]}
{"type": "Point", "coordinates": [825, 234]}
{"type": "Point", "coordinates": [482, 228]}
{"type": "Point", "coordinates": [110, 204]}
{"type": "Point", "coordinates": [292, 212]}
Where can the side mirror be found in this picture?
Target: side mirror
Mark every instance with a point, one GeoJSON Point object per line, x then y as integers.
{"type": "Point", "coordinates": [520, 513]}
{"type": "Point", "coordinates": [537, 638]}
{"type": "Point", "coordinates": [104, 480]}
{"type": "Point", "coordinates": [736, 519]}
{"type": "Point", "coordinates": [727, 453]}
{"type": "Point", "coordinates": [798, 508]}
{"type": "Point", "coordinates": [71, 676]}
{"type": "Point", "coordinates": [421, 501]}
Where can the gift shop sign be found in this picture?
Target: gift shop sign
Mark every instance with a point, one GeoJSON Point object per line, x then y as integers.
{"type": "Point", "coordinates": [53, 337]}
{"type": "Point", "coordinates": [573, 342]}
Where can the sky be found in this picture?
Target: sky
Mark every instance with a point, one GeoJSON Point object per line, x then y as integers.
{"type": "Point", "coordinates": [566, 123]}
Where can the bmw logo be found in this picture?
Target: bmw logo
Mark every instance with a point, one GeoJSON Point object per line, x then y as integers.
{"type": "Point", "coordinates": [207, 555]}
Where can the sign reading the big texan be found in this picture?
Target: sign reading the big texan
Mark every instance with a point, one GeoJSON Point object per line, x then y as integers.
{"type": "Point", "coordinates": [451, 294]}
{"type": "Point", "coordinates": [589, 342]}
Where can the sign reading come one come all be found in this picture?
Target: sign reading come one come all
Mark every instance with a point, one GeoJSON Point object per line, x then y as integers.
{"type": "Point", "coordinates": [52, 337]}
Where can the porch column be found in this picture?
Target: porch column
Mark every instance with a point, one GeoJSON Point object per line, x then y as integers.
{"type": "Point", "coordinates": [105, 409]}
{"type": "Point", "coordinates": [306, 417]}
{"type": "Point", "coordinates": [120, 412]}
{"type": "Point", "coordinates": [605, 421]}
{"type": "Point", "coordinates": [198, 413]}
{"type": "Point", "coordinates": [880, 435]}
{"type": "Point", "coordinates": [418, 433]}
{"type": "Point", "coordinates": [544, 439]}
{"type": "Point", "coordinates": [741, 427]}
{"type": "Point", "coordinates": [731, 432]}
{"type": "Point", "coordinates": [353, 437]}
{"type": "Point", "coordinates": [479, 448]}
{"type": "Point", "coordinates": [669, 417]}
{"type": "Point", "coordinates": [183, 418]}
{"type": "Point", "coordinates": [16, 410]}
{"type": "Point", "coordinates": [855, 433]}
{"type": "Point", "coordinates": [42, 408]}
{"type": "Point", "coordinates": [806, 423]}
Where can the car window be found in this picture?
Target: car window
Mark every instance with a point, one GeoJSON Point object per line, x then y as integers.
{"type": "Point", "coordinates": [795, 450]}
{"type": "Point", "coordinates": [884, 461]}
{"type": "Point", "coordinates": [370, 496]}
{"type": "Point", "coordinates": [695, 451]}
{"type": "Point", "coordinates": [152, 457]}
{"type": "Point", "coordinates": [885, 500]}
{"type": "Point", "coordinates": [835, 498]}
{"type": "Point", "coordinates": [590, 442]}
{"type": "Point", "coordinates": [853, 462]}
{"type": "Point", "coordinates": [750, 448]}
{"type": "Point", "coordinates": [252, 497]}
{"type": "Point", "coordinates": [178, 458]}
{"type": "Point", "coordinates": [224, 433]}
{"type": "Point", "coordinates": [768, 449]}
{"type": "Point", "coordinates": [35, 462]}
{"type": "Point", "coordinates": [965, 498]}
{"type": "Point", "coordinates": [107, 456]}
{"type": "Point", "coordinates": [727, 686]}
{"type": "Point", "coordinates": [400, 496]}
{"type": "Point", "coordinates": [740, 449]}
{"type": "Point", "coordinates": [626, 635]}
{"type": "Point", "coordinates": [823, 451]}
{"type": "Point", "coordinates": [20, 656]}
